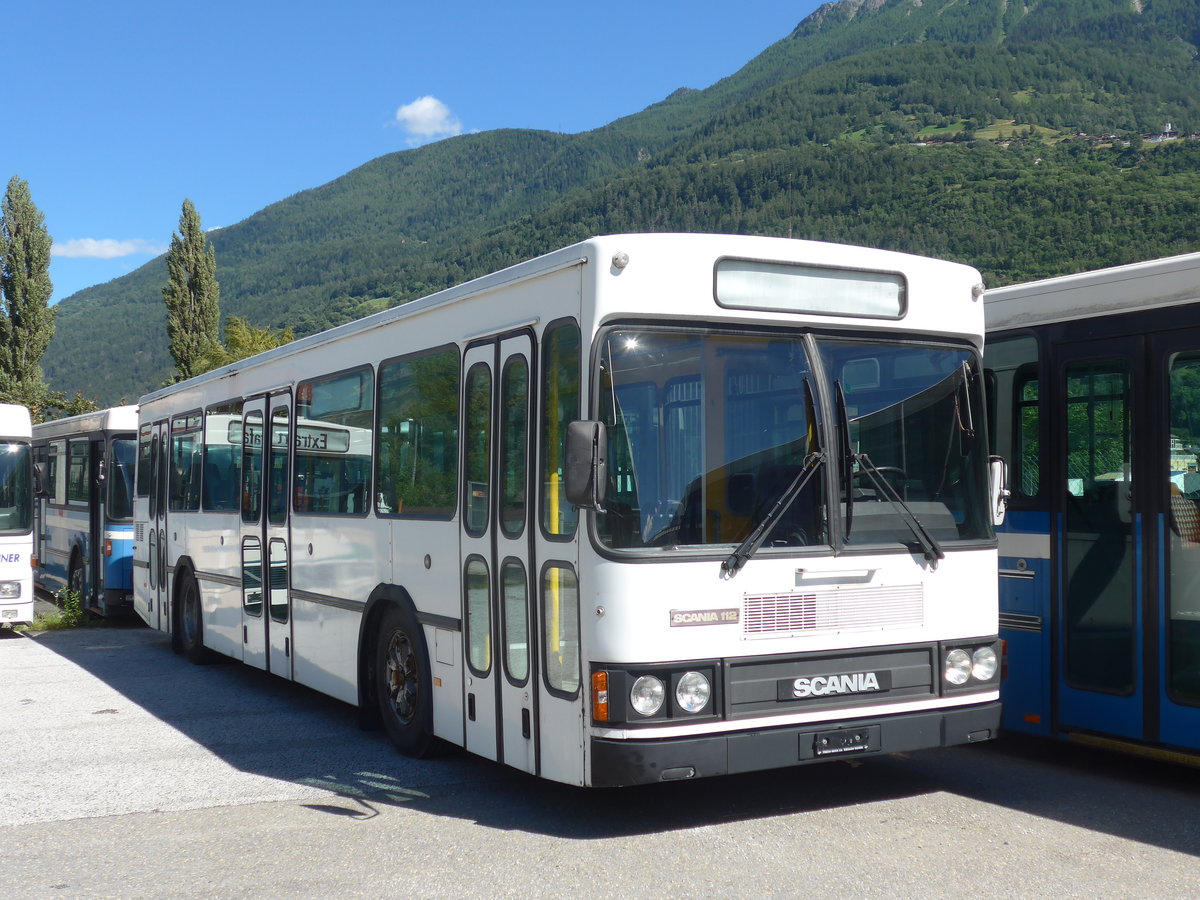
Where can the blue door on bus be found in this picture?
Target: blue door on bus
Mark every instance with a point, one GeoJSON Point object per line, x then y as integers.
{"type": "Point", "coordinates": [1100, 552]}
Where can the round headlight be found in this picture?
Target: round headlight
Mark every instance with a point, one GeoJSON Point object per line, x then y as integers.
{"type": "Point", "coordinates": [647, 695]}
{"type": "Point", "coordinates": [692, 692]}
{"type": "Point", "coordinates": [984, 664]}
{"type": "Point", "coordinates": [958, 666]}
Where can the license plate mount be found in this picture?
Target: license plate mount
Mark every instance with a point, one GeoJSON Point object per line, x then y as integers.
{"type": "Point", "coordinates": [846, 741]}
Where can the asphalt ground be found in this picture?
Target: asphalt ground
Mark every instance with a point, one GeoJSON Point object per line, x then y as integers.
{"type": "Point", "coordinates": [127, 772]}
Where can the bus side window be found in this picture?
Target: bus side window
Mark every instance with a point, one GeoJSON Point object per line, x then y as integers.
{"type": "Point", "coordinates": [416, 449]}
{"type": "Point", "coordinates": [1015, 396]}
{"type": "Point", "coordinates": [560, 405]}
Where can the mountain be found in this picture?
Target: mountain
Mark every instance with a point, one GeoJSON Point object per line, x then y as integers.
{"type": "Point", "coordinates": [1022, 138]}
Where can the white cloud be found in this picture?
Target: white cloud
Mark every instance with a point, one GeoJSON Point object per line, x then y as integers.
{"type": "Point", "coordinates": [427, 119]}
{"type": "Point", "coordinates": [105, 248]}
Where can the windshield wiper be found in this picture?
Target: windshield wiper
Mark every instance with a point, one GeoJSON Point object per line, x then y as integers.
{"type": "Point", "coordinates": [812, 462]}
{"type": "Point", "coordinates": [843, 425]}
{"type": "Point", "coordinates": [754, 540]}
{"type": "Point", "coordinates": [930, 547]}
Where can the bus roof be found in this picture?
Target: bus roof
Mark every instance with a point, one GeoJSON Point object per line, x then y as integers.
{"type": "Point", "coordinates": [668, 255]}
{"type": "Point", "coordinates": [115, 418]}
{"type": "Point", "coordinates": [14, 421]}
{"type": "Point", "coordinates": [1137, 286]}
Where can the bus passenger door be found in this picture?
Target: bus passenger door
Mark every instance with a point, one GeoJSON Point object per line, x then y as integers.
{"type": "Point", "coordinates": [254, 628]}
{"type": "Point", "coordinates": [513, 557]}
{"type": "Point", "coordinates": [1175, 362]}
{"type": "Point", "coordinates": [275, 537]}
{"type": "Point", "coordinates": [266, 605]}
{"type": "Point", "coordinates": [1099, 670]}
{"type": "Point", "coordinates": [156, 527]}
{"type": "Point", "coordinates": [496, 557]}
{"type": "Point", "coordinates": [98, 495]}
{"type": "Point", "coordinates": [477, 571]}
{"type": "Point", "coordinates": [40, 501]}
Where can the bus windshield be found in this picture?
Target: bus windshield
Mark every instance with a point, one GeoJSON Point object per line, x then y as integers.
{"type": "Point", "coordinates": [120, 478]}
{"type": "Point", "coordinates": [912, 423]}
{"type": "Point", "coordinates": [707, 430]}
{"type": "Point", "coordinates": [16, 507]}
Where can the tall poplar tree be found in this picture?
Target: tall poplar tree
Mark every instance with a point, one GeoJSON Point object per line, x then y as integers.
{"type": "Point", "coordinates": [193, 297]}
{"type": "Point", "coordinates": [27, 322]}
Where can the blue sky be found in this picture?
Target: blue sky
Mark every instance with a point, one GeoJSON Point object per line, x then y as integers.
{"type": "Point", "coordinates": [118, 111]}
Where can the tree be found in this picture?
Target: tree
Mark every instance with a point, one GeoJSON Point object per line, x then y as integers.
{"type": "Point", "coordinates": [192, 295]}
{"type": "Point", "coordinates": [27, 322]}
{"type": "Point", "coordinates": [242, 340]}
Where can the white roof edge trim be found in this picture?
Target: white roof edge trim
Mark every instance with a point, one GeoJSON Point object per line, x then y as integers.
{"type": "Point", "coordinates": [1165, 281]}
{"type": "Point", "coordinates": [524, 271]}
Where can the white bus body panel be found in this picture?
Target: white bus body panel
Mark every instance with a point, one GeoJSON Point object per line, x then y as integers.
{"type": "Point", "coordinates": [16, 550]}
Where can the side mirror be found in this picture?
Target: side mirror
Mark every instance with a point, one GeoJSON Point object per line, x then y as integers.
{"type": "Point", "coordinates": [39, 480]}
{"type": "Point", "coordinates": [998, 488]}
{"type": "Point", "coordinates": [586, 468]}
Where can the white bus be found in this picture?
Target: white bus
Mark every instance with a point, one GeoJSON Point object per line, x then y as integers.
{"type": "Point", "coordinates": [16, 516]}
{"type": "Point", "coordinates": [649, 507]}
{"type": "Point", "coordinates": [83, 539]}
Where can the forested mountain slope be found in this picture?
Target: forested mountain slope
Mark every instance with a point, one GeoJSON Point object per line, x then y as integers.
{"type": "Point", "coordinates": [949, 127]}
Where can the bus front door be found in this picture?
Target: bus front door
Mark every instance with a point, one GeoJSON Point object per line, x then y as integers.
{"type": "Point", "coordinates": [266, 605]}
{"type": "Point", "coordinates": [1100, 666]}
{"type": "Point", "coordinates": [496, 552]}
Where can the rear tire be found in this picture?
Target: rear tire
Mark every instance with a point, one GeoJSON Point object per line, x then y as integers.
{"type": "Point", "coordinates": [77, 578]}
{"type": "Point", "coordinates": [190, 622]}
{"type": "Point", "coordinates": [403, 685]}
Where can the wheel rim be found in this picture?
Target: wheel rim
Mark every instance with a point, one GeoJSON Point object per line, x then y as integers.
{"type": "Point", "coordinates": [76, 580]}
{"type": "Point", "coordinates": [400, 677]}
{"type": "Point", "coordinates": [188, 602]}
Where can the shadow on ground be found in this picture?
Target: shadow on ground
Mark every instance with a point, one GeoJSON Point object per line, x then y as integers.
{"type": "Point", "coordinates": [260, 724]}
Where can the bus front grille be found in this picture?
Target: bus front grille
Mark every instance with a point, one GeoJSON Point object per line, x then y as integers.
{"type": "Point", "coordinates": [835, 608]}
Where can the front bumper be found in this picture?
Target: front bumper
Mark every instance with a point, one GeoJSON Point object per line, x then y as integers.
{"type": "Point", "coordinates": [616, 763]}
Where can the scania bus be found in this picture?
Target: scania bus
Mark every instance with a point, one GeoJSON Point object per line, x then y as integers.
{"type": "Point", "coordinates": [84, 517]}
{"type": "Point", "coordinates": [16, 516]}
{"type": "Point", "coordinates": [1097, 405]}
{"type": "Point", "coordinates": [645, 508]}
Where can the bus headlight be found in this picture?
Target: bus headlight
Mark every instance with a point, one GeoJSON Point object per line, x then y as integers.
{"type": "Point", "coordinates": [10, 590]}
{"type": "Point", "coordinates": [647, 695]}
{"type": "Point", "coordinates": [957, 668]}
{"type": "Point", "coordinates": [692, 692]}
{"type": "Point", "coordinates": [983, 664]}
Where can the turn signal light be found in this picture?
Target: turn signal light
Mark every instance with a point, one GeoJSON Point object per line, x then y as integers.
{"type": "Point", "coordinates": [600, 696]}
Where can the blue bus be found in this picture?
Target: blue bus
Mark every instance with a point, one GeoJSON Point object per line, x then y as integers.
{"type": "Point", "coordinates": [1095, 389]}
{"type": "Point", "coordinates": [83, 535]}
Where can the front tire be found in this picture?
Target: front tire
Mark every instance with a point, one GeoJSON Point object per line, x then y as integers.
{"type": "Point", "coordinates": [403, 685]}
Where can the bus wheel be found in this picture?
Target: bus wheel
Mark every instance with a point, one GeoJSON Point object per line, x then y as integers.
{"type": "Point", "coordinates": [403, 688]}
{"type": "Point", "coordinates": [191, 628]}
{"type": "Point", "coordinates": [75, 578]}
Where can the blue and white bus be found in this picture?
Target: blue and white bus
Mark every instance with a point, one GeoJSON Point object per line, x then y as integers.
{"type": "Point", "coordinates": [16, 516]}
{"type": "Point", "coordinates": [1096, 394]}
{"type": "Point", "coordinates": [84, 535]}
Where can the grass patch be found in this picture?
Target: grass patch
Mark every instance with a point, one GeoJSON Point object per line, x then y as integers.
{"type": "Point", "coordinates": [70, 613]}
